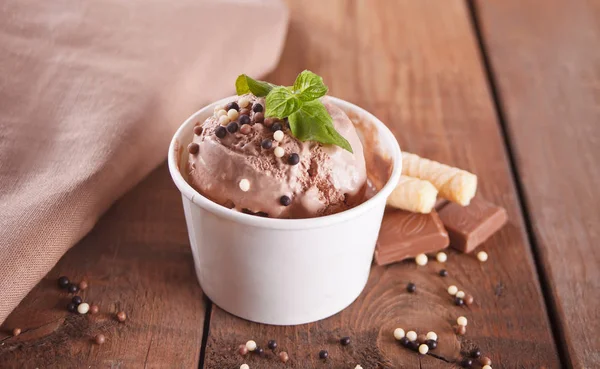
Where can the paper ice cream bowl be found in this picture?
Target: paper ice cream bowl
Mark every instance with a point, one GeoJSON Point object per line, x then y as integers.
{"type": "Point", "coordinates": [282, 271]}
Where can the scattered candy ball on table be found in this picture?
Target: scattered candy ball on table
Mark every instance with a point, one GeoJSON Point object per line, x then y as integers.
{"type": "Point", "coordinates": [421, 338]}
{"type": "Point", "coordinates": [441, 257]}
{"type": "Point", "coordinates": [469, 300]}
{"type": "Point", "coordinates": [323, 354]}
{"type": "Point", "coordinates": [485, 361]}
{"type": "Point", "coordinates": [72, 288]}
{"type": "Point", "coordinates": [83, 308]}
{"type": "Point", "coordinates": [432, 344]}
{"type": "Point", "coordinates": [411, 335]}
{"type": "Point", "coordinates": [466, 363]}
{"type": "Point", "coordinates": [99, 339]}
{"type": "Point", "coordinates": [423, 349]}
{"type": "Point", "coordinates": [358, 367]}
{"type": "Point", "coordinates": [94, 309]}
{"type": "Point", "coordinates": [76, 300]}
{"type": "Point", "coordinates": [421, 259]}
{"type": "Point", "coordinates": [411, 287]}
{"type": "Point", "coordinates": [452, 290]}
{"type": "Point", "coordinates": [399, 333]}
{"type": "Point", "coordinates": [482, 256]}
{"type": "Point", "coordinates": [461, 320]}
{"type": "Point", "coordinates": [460, 295]}
{"type": "Point", "coordinates": [284, 357]}
{"type": "Point", "coordinates": [244, 185]}
{"type": "Point", "coordinates": [443, 273]}
{"type": "Point", "coordinates": [461, 330]}
{"type": "Point", "coordinates": [486, 367]}
{"type": "Point", "coordinates": [83, 284]}
{"type": "Point", "coordinates": [432, 336]}
{"type": "Point", "coordinates": [251, 345]}
{"type": "Point", "coordinates": [16, 332]}
{"type": "Point", "coordinates": [272, 345]}
{"type": "Point", "coordinates": [244, 366]}
{"type": "Point", "coordinates": [121, 316]}
{"type": "Point", "coordinates": [72, 307]}
{"type": "Point", "coordinates": [476, 353]}
{"type": "Point", "coordinates": [243, 350]}
{"type": "Point", "coordinates": [345, 341]}
{"type": "Point", "coordinates": [63, 282]}
{"type": "Point", "coordinates": [459, 302]}
{"type": "Point", "coordinates": [260, 351]}
{"type": "Point", "coordinates": [404, 341]}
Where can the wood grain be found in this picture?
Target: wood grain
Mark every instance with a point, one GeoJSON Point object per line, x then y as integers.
{"type": "Point", "coordinates": [546, 60]}
{"type": "Point", "coordinates": [137, 259]}
{"type": "Point", "coordinates": [416, 66]}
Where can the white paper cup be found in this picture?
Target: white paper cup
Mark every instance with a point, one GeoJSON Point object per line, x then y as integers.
{"type": "Point", "coordinates": [281, 271]}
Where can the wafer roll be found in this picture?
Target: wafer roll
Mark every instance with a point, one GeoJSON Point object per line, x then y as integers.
{"type": "Point", "coordinates": [414, 195]}
{"type": "Point", "coordinates": [454, 184]}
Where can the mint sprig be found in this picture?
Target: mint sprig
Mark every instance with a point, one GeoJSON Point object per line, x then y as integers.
{"type": "Point", "coordinates": [308, 117]}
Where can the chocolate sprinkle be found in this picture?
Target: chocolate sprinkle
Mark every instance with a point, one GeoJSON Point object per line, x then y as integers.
{"type": "Point", "coordinates": [285, 200]}
{"type": "Point", "coordinates": [293, 159]}
{"type": "Point", "coordinates": [221, 132]}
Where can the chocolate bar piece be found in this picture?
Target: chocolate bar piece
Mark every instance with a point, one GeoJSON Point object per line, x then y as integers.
{"type": "Point", "coordinates": [470, 226]}
{"type": "Point", "coordinates": [405, 235]}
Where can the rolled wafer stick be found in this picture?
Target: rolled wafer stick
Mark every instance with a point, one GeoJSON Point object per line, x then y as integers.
{"type": "Point", "coordinates": [414, 195]}
{"type": "Point", "coordinates": [454, 184]}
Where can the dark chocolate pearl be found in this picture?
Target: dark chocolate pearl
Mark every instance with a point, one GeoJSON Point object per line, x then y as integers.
{"type": "Point", "coordinates": [63, 282]}
{"type": "Point", "coordinates": [193, 148]}
{"type": "Point", "coordinates": [476, 353]}
{"type": "Point", "coordinates": [323, 354]}
{"type": "Point", "coordinates": [432, 344]}
{"type": "Point", "coordinates": [72, 288]}
{"type": "Point", "coordinates": [466, 363]}
{"type": "Point", "coordinates": [72, 307]}
{"type": "Point", "coordinates": [221, 132]}
{"type": "Point", "coordinates": [257, 108]}
{"type": "Point", "coordinates": [266, 144]}
{"type": "Point", "coordinates": [404, 341]}
{"type": "Point", "coordinates": [414, 345]}
{"type": "Point", "coordinates": [76, 300]}
{"type": "Point", "coordinates": [233, 127]}
{"type": "Point", "coordinates": [293, 159]}
{"type": "Point", "coordinates": [244, 119]}
{"type": "Point", "coordinates": [411, 287]}
{"type": "Point", "coordinates": [260, 351]}
{"type": "Point", "coordinates": [345, 341]}
{"type": "Point", "coordinates": [443, 273]}
{"type": "Point", "coordinates": [285, 200]}
{"type": "Point", "coordinates": [259, 117]}
{"type": "Point", "coordinates": [197, 130]}
{"type": "Point", "coordinates": [272, 345]}
{"type": "Point", "coordinates": [276, 127]}
{"type": "Point", "coordinates": [232, 105]}
{"type": "Point", "coordinates": [459, 302]}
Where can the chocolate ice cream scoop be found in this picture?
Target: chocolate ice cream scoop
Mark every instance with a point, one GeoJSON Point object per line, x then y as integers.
{"type": "Point", "coordinates": [244, 169]}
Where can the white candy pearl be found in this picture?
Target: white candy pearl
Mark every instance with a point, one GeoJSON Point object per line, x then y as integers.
{"type": "Point", "coordinates": [358, 367]}
{"type": "Point", "coordinates": [278, 135]}
{"type": "Point", "coordinates": [233, 114]}
{"type": "Point", "coordinates": [432, 336]}
{"type": "Point", "coordinates": [223, 120]}
{"type": "Point", "coordinates": [218, 107]}
{"type": "Point", "coordinates": [83, 308]}
{"type": "Point", "coordinates": [462, 321]}
{"type": "Point", "coordinates": [482, 256]}
{"type": "Point", "coordinates": [244, 366]}
{"type": "Point", "coordinates": [460, 294]}
{"type": "Point", "coordinates": [486, 367]}
{"type": "Point", "coordinates": [411, 335]}
{"type": "Point", "coordinates": [452, 290]}
{"type": "Point", "coordinates": [441, 257]}
{"type": "Point", "coordinates": [399, 333]}
{"type": "Point", "coordinates": [423, 349]}
{"type": "Point", "coordinates": [243, 102]}
{"type": "Point", "coordinates": [244, 185]}
{"type": "Point", "coordinates": [421, 259]}
{"type": "Point", "coordinates": [221, 112]}
{"type": "Point", "coordinates": [279, 151]}
{"type": "Point", "coordinates": [251, 345]}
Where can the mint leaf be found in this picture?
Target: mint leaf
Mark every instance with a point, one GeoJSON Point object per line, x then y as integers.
{"type": "Point", "coordinates": [309, 86]}
{"type": "Point", "coordinates": [313, 122]}
{"type": "Point", "coordinates": [245, 84]}
{"type": "Point", "coordinates": [281, 102]}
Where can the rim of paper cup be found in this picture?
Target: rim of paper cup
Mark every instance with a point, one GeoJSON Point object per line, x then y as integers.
{"type": "Point", "coordinates": [276, 223]}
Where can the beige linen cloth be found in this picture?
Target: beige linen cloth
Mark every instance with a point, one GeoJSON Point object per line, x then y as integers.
{"type": "Point", "coordinates": [90, 95]}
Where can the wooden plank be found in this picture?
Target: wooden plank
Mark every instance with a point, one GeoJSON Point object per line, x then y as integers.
{"type": "Point", "coordinates": [137, 259]}
{"type": "Point", "coordinates": [546, 61]}
{"type": "Point", "coordinates": [416, 65]}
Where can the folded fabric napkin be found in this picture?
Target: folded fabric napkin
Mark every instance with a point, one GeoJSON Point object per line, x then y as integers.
{"type": "Point", "coordinates": [90, 95]}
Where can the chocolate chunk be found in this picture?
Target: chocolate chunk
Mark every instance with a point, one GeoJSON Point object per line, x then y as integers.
{"type": "Point", "coordinates": [470, 226]}
{"type": "Point", "coordinates": [405, 235]}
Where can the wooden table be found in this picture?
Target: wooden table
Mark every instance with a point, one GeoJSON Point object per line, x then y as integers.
{"type": "Point", "coordinates": [507, 89]}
